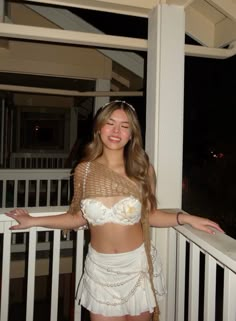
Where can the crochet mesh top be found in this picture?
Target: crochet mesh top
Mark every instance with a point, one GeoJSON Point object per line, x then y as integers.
{"type": "Point", "coordinates": [95, 180]}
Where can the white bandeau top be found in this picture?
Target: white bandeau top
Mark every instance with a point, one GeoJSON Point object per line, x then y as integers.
{"type": "Point", "coordinates": [126, 211]}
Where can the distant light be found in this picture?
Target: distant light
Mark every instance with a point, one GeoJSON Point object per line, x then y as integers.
{"type": "Point", "coordinates": [219, 155]}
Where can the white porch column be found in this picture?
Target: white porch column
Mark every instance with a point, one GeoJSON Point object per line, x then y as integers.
{"type": "Point", "coordinates": [101, 85]}
{"type": "Point", "coordinates": [164, 127]}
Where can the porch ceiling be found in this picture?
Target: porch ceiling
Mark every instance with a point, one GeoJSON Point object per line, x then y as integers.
{"type": "Point", "coordinates": [211, 24]}
{"type": "Point", "coordinates": [207, 21]}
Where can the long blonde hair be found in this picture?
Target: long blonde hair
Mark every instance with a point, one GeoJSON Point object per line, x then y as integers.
{"type": "Point", "coordinates": [135, 158]}
{"type": "Point", "coordinates": [137, 167]}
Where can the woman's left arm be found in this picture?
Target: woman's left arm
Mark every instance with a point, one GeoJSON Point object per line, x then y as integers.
{"type": "Point", "coordinates": [159, 218]}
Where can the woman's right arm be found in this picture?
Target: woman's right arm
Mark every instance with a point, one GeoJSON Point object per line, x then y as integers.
{"type": "Point", "coordinates": [72, 219]}
{"type": "Point", "coordinates": [65, 221]}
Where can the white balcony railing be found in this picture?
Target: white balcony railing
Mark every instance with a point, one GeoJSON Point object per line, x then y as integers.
{"type": "Point", "coordinates": [38, 160]}
{"type": "Point", "coordinates": [201, 275]}
{"type": "Point", "coordinates": [201, 279]}
{"type": "Point", "coordinates": [31, 265]}
{"type": "Point", "coordinates": [200, 268]}
{"type": "Point", "coordinates": [34, 187]}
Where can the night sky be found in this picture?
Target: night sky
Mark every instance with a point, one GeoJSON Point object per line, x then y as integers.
{"type": "Point", "coordinates": [210, 112]}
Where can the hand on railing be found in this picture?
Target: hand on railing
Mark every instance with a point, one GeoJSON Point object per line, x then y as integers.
{"type": "Point", "coordinates": [22, 217]}
{"type": "Point", "coordinates": [64, 221]}
{"type": "Point", "coordinates": [199, 223]}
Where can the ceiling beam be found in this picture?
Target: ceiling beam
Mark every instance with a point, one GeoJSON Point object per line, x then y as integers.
{"type": "Point", "coordinates": [67, 20]}
{"type": "Point", "coordinates": [199, 27]}
{"type": "Point", "coordinates": [96, 40]}
{"type": "Point", "coordinates": [70, 37]}
{"type": "Point", "coordinates": [205, 52]}
{"type": "Point", "coordinates": [71, 93]}
{"type": "Point", "coordinates": [183, 3]}
{"type": "Point", "coordinates": [133, 7]}
{"type": "Point", "coordinates": [120, 79]}
{"type": "Point", "coordinates": [227, 7]}
{"type": "Point", "coordinates": [225, 32]}
{"type": "Point", "coordinates": [114, 87]}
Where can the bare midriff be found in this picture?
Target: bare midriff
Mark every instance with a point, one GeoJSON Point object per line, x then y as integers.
{"type": "Point", "coordinates": [116, 238]}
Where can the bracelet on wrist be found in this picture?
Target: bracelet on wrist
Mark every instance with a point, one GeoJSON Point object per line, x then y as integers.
{"type": "Point", "coordinates": [177, 217]}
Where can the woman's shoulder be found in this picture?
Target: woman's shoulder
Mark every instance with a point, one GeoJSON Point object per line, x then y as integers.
{"type": "Point", "coordinates": [81, 167]}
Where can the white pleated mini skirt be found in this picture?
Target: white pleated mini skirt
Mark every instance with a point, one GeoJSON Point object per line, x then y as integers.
{"type": "Point", "coordinates": [119, 284]}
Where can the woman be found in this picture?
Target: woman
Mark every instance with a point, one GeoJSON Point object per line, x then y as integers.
{"type": "Point", "coordinates": [114, 194]}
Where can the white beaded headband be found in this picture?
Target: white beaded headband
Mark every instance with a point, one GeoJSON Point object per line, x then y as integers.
{"type": "Point", "coordinates": [118, 101]}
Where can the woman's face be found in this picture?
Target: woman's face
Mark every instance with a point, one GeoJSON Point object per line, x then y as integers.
{"type": "Point", "coordinates": [116, 132]}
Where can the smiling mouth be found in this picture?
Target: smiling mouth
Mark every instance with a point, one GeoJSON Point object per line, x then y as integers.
{"type": "Point", "coordinates": [116, 139]}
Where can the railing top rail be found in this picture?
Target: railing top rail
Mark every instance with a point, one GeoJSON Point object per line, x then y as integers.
{"type": "Point", "coordinates": [40, 154]}
{"type": "Point", "coordinates": [34, 170]}
{"type": "Point", "coordinates": [12, 174]}
{"type": "Point", "coordinates": [34, 211]}
{"type": "Point", "coordinates": [38, 211]}
{"type": "Point", "coordinates": [220, 246]}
